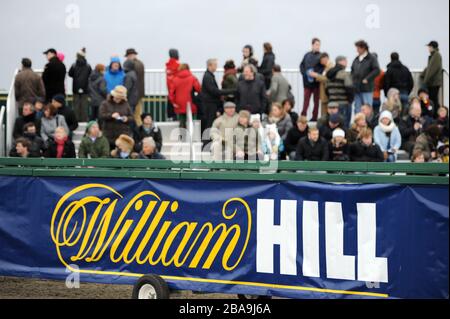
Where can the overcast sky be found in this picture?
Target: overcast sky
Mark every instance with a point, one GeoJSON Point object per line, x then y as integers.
{"type": "Point", "coordinates": [201, 29]}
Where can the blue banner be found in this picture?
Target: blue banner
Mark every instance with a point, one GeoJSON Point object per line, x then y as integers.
{"type": "Point", "coordinates": [288, 239]}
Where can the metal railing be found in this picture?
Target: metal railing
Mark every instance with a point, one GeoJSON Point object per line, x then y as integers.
{"type": "Point", "coordinates": [328, 172]}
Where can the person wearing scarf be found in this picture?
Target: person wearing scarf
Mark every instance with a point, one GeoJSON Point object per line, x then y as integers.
{"type": "Point", "coordinates": [60, 146]}
{"type": "Point", "coordinates": [387, 136]}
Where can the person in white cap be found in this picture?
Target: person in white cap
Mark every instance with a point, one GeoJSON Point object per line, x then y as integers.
{"type": "Point", "coordinates": [387, 136]}
{"type": "Point", "coordinates": [339, 148]}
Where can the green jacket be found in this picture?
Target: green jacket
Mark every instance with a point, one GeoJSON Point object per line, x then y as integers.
{"type": "Point", "coordinates": [432, 75]}
{"type": "Point", "coordinates": [97, 149]}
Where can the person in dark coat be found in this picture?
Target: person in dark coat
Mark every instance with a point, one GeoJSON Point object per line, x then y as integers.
{"type": "Point", "coordinates": [149, 150]}
{"type": "Point", "coordinates": [28, 116]}
{"type": "Point", "coordinates": [398, 76]}
{"type": "Point", "coordinates": [251, 93]}
{"type": "Point", "coordinates": [432, 76]}
{"type": "Point", "coordinates": [312, 148]}
{"type": "Point", "coordinates": [148, 129]}
{"type": "Point", "coordinates": [334, 122]}
{"type": "Point", "coordinates": [339, 147]}
{"type": "Point", "coordinates": [211, 96]}
{"type": "Point", "coordinates": [60, 146]}
{"type": "Point", "coordinates": [53, 76]}
{"type": "Point", "coordinates": [59, 102]}
{"type": "Point", "coordinates": [139, 67]}
{"type": "Point", "coordinates": [21, 148]}
{"type": "Point", "coordinates": [295, 134]}
{"type": "Point", "coordinates": [28, 85]}
{"type": "Point", "coordinates": [311, 63]}
{"type": "Point", "coordinates": [80, 72]}
{"type": "Point", "coordinates": [267, 64]}
{"type": "Point", "coordinates": [97, 90]}
{"type": "Point", "coordinates": [364, 149]}
{"type": "Point", "coordinates": [442, 122]}
{"type": "Point", "coordinates": [131, 83]}
{"type": "Point", "coordinates": [365, 69]}
{"type": "Point", "coordinates": [37, 143]}
{"type": "Point", "coordinates": [230, 79]}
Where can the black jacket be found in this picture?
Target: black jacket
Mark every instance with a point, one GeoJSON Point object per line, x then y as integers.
{"type": "Point", "coordinates": [311, 60]}
{"type": "Point", "coordinates": [97, 88]}
{"type": "Point", "coordinates": [140, 134]}
{"type": "Point", "coordinates": [308, 152]}
{"type": "Point", "coordinates": [131, 83]}
{"type": "Point", "coordinates": [327, 132]}
{"type": "Point", "coordinates": [53, 77]}
{"type": "Point", "coordinates": [360, 152]}
{"type": "Point", "coordinates": [339, 154]}
{"type": "Point", "coordinates": [37, 146]}
{"type": "Point", "coordinates": [398, 76]}
{"type": "Point", "coordinates": [51, 151]}
{"type": "Point", "coordinates": [69, 116]}
{"type": "Point", "coordinates": [367, 69]}
{"type": "Point", "coordinates": [21, 121]}
{"type": "Point", "coordinates": [251, 96]}
{"type": "Point", "coordinates": [80, 72]}
{"type": "Point", "coordinates": [293, 137]}
{"type": "Point", "coordinates": [211, 93]}
{"type": "Point", "coordinates": [406, 127]}
{"type": "Point", "coordinates": [266, 67]}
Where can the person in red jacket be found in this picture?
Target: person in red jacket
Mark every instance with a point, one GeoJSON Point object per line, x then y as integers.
{"type": "Point", "coordinates": [184, 84]}
{"type": "Point", "coordinates": [171, 70]}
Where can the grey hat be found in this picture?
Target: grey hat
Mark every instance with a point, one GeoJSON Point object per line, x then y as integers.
{"type": "Point", "coordinates": [229, 105]}
{"type": "Point", "coordinates": [340, 58]}
{"type": "Point", "coordinates": [333, 105]}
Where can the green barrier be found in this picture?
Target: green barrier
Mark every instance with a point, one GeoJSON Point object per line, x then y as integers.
{"type": "Point", "coordinates": [327, 172]}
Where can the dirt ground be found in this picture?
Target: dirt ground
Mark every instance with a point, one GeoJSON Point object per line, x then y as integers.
{"type": "Point", "coordinates": [25, 288]}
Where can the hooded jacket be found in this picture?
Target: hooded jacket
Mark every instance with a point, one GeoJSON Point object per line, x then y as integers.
{"type": "Point", "coordinates": [114, 78]}
{"type": "Point", "coordinates": [184, 83]}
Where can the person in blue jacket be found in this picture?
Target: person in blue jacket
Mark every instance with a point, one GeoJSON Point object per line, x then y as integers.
{"type": "Point", "coordinates": [387, 136]}
{"type": "Point", "coordinates": [114, 75]}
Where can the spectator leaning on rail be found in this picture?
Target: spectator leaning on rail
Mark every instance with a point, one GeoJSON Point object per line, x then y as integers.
{"type": "Point", "coordinates": [51, 121]}
{"type": "Point", "coordinates": [387, 136]}
{"type": "Point", "coordinates": [80, 72]}
{"type": "Point", "coordinates": [21, 148]}
{"type": "Point", "coordinates": [148, 129]}
{"type": "Point", "coordinates": [365, 69]}
{"type": "Point", "coordinates": [432, 76]}
{"type": "Point", "coordinates": [94, 144]}
{"type": "Point", "coordinates": [222, 133]}
{"type": "Point", "coordinates": [59, 102]}
{"type": "Point", "coordinates": [312, 148]}
{"type": "Point", "coordinates": [339, 148]}
{"type": "Point", "coordinates": [28, 85]}
{"type": "Point", "coordinates": [124, 146]}
{"type": "Point", "coordinates": [428, 141]}
{"type": "Point", "coordinates": [184, 84]}
{"type": "Point", "coordinates": [364, 149]}
{"type": "Point", "coordinates": [251, 93]}
{"type": "Point", "coordinates": [322, 78]}
{"type": "Point", "coordinates": [211, 96]}
{"type": "Point", "coordinates": [114, 75]}
{"type": "Point", "coordinates": [97, 90]}
{"type": "Point", "coordinates": [131, 54]}
{"type": "Point", "coordinates": [171, 70]}
{"type": "Point", "coordinates": [399, 77]}
{"type": "Point", "coordinates": [28, 116]}
{"type": "Point", "coordinates": [53, 76]}
{"type": "Point", "coordinates": [60, 146]}
{"type": "Point", "coordinates": [267, 64]}
{"type": "Point", "coordinates": [279, 87]}
{"type": "Point", "coordinates": [294, 135]}
{"type": "Point", "coordinates": [309, 64]}
{"type": "Point", "coordinates": [339, 89]}
{"type": "Point", "coordinates": [149, 150]}
{"type": "Point", "coordinates": [413, 125]}
{"type": "Point", "coordinates": [230, 80]}
{"type": "Point", "coordinates": [116, 115]}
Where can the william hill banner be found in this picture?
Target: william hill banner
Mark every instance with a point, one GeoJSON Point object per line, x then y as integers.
{"type": "Point", "coordinates": [290, 239]}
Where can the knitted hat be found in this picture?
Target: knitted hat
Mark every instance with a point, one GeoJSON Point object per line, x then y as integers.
{"type": "Point", "coordinates": [89, 125]}
{"type": "Point", "coordinates": [338, 133]}
{"type": "Point", "coordinates": [60, 99]}
{"type": "Point", "coordinates": [386, 114]}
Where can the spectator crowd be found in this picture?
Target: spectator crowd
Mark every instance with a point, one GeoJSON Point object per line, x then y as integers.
{"type": "Point", "coordinates": [249, 116]}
